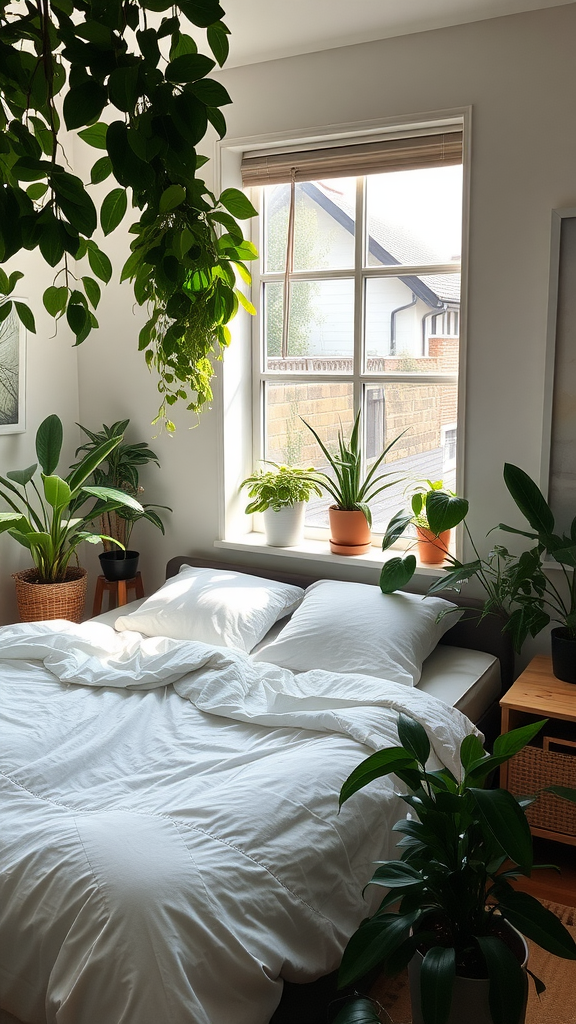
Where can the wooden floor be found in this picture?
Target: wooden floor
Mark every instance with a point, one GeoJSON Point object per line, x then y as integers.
{"type": "Point", "coordinates": [548, 884]}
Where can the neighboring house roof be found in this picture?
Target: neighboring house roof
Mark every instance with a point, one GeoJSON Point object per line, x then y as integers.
{"type": "Point", "coordinates": [391, 245]}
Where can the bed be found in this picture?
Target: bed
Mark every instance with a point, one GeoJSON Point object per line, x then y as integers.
{"type": "Point", "coordinates": [171, 849]}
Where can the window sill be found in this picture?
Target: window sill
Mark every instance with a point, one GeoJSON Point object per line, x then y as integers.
{"type": "Point", "coordinates": [319, 551]}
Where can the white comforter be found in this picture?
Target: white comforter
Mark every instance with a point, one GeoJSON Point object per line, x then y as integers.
{"type": "Point", "coordinates": [169, 852]}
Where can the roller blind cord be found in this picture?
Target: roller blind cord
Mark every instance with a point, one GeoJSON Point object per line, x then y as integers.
{"type": "Point", "coordinates": [289, 264]}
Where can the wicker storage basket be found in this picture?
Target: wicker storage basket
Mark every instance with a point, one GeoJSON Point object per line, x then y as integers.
{"type": "Point", "coordinates": [533, 769]}
{"type": "Point", "coordinates": [38, 601]}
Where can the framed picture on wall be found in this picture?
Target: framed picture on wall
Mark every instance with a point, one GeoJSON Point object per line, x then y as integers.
{"type": "Point", "coordinates": [12, 375]}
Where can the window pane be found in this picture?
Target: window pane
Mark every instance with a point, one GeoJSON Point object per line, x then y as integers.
{"type": "Point", "coordinates": [320, 330]}
{"type": "Point", "coordinates": [414, 217]}
{"type": "Point", "coordinates": [412, 324]}
{"type": "Point", "coordinates": [323, 225]}
{"type": "Point", "coordinates": [327, 407]}
{"type": "Point", "coordinates": [428, 413]}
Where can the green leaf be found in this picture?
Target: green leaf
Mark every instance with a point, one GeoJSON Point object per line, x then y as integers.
{"type": "Point", "coordinates": [56, 491]}
{"type": "Point", "coordinates": [37, 190]}
{"type": "Point", "coordinates": [374, 941]}
{"type": "Point", "coordinates": [101, 170]}
{"type": "Point", "coordinates": [359, 1010]}
{"type": "Point", "coordinates": [181, 44]}
{"type": "Point", "coordinates": [245, 302]}
{"type": "Point", "coordinates": [189, 67]}
{"type": "Point", "coordinates": [471, 751]}
{"type": "Point", "coordinates": [100, 264]}
{"type": "Point", "coordinates": [95, 135]}
{"type": "Point", "coordinates": [92, 289]}
{"type": "Point", "coordinates": [217, 35]}
{"type": "Point", "coordinates": [507, 822]}
{"type": "Point", "coordinates": [529, 499]}
{"type": "Point", "coordinates": [54, 299]}
{"type": "Point", "coordinates": [22, 476]}
{"type": "Point", "coordinates": [507, 980]}
{"type": "Point", "coordinates": [91, 461]}
{"type": "Point", "coordinates": [396, 527]}
{"type": "Point", "coordinates": [413, 738]}
{"type": "Point", "coordinates": [562, 791]}
{"type": "Point", "coordinates": [113, 208]}
{"type": "Point", "coordinates": [123, 87]}
{"type": "Point", "coordinates": [396, 874]}
{"type": "Point", "coordinates": [26, 315]}
{"type": "Point", "coordinates": [444, 511]}
{"type": "Point", "coordinates": [379, 764]}
{"type": "Point", "coordinates": [509, 743]}
{"type": "Point", "coordinates": [172, 197]}
{"type": "Point", "coordinates": [212, 93]}
{"type": "Point", "coordinates": [113, 494]}
{"type": "Point", "coordinates": [536, 922]}
{"type": "Point", "coordinates": [84, 103]}
{"type": "Point", "coordinates": [74, 201]}
{"type": "Point", "coordinates": [436, 980]}
{"type": "Point", "coordinates": [202, 12]}
{"type": "Point", "coordinates": [396, 573]}
{"type": "Point", "coordinates": [237, 203]}
{"type": "Point", "coordinates": [49, 443]}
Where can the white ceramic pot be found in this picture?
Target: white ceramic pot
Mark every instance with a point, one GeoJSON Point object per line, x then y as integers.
{"type": "Point", "coordinates": [285, 528]}
{"type": "Point", "coordinates": [469, 995]}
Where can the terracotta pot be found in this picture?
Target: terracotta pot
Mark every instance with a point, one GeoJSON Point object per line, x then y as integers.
{"type": "Point", "coordinates": [285, 528]}
{"type": "Point", "coordinates": [39, 601]}
{"type": "Point", "coordinates": [349, 532]}
{"type": "Point", "coordinates": [431, 548]}
{"type": "Point", "coordinates": [469, 995]}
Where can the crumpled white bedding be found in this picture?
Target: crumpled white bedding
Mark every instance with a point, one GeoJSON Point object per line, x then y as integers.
{"type": "Point", "coordinates": [169, 852]}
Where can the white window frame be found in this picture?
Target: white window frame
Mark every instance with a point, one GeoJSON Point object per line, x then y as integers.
{"type": "Point", "coordinates": [228, 159]}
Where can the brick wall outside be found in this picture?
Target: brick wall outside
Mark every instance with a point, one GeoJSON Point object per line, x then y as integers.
{"type": "Point", "coordinates": [424, 408]}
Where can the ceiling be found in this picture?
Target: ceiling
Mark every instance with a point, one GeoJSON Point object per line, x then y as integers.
{"type": "Point", "coordinates": [267, 29]}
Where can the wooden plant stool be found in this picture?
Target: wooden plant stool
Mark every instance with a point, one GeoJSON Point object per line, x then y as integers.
{"type": "Point", "coordinates": [118, 591]}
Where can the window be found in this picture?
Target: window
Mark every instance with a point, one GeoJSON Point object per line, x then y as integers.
{"type": "Point", "coordinates": [359, 300]}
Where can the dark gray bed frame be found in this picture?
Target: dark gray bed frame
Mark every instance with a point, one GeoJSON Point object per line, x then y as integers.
{"type": "Point", "coordinates": [317, 1002]}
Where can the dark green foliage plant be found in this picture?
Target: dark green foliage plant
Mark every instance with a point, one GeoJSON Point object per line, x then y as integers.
{"type": "Point", "coordinates": [280, 487]}
{"type": "Point", "coordinates": [462, 846]}
{"type": "Point", "coordinates": [121, 469]}
{"type": "Point", "coordinates": [515, 585]}
{"type": "Point", "coordinates": [50, 520]}
{"type": "Point", "coordinates": [351, 487]}
{"type": "Point", "coordinates": [127, 78]}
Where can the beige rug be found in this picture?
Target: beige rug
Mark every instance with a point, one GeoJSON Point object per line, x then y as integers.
{"type": "Point", "coordinates": [557, 1005]}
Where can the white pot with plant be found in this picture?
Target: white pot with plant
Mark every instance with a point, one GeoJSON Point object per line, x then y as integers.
{"type": "Point", "coordinates": [281, 495]}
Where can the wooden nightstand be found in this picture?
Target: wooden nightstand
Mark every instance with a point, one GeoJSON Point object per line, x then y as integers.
{"type": "Point", "coordinates": [552, 759]}
{"type": "Point", "coordinates": [117, 590]}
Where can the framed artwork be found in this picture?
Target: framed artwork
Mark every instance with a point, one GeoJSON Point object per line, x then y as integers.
{"type": "Point", "coordinates": [12, 375]}
{"type": "Point", "coordinates": [559, 447]}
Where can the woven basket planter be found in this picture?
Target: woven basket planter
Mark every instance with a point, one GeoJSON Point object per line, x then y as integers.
{"type": "Point", "coordinates": [38, 601]}
{"type": "Point", "coordinates": [533, 769]}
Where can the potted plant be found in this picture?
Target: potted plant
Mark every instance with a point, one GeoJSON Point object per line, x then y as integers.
{"type": "Point", "coordinates": [517, 586]}
{"type": "Point", "coordinates": [49, 521]}
{"type": "Point", "coordinates": [121, 470]}
{"type": "Point", "coordinates": [352, 489]}
{"type": "Point", "coordinates": [281, 495]}
{"type": "Point", "coordinates": [432, 549]}
{"type": "Point", "coordinates": [450, 910]}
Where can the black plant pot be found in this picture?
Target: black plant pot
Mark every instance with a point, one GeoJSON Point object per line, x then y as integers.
{"type": "Point", "coordinates": [119, 565]}
{"type": "Point", "coordinates": [563, 654]}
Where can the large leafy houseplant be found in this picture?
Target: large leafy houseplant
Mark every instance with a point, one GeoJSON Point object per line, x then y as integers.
{"type": "Point", "coordinates": [127, 78]}
{"type": "Point", "coordinates": [450, 890]}
{"type": "Point", "coordinates": [50, 520]}
{"type": "Point", "coordinates": [120, 469]}
{"type": "Point", "coordinates": [516, 585]}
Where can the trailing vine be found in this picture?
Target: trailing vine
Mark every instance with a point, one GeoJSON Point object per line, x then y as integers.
{"type": "Point", "coordinates": [126, 77]}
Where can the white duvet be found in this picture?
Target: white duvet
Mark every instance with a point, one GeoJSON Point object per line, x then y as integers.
{"type": "Point", "coordinates": [169, 853]}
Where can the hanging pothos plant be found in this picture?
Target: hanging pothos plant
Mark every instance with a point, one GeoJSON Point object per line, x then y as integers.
{"type": "Point", "coordinates": [127, 78]}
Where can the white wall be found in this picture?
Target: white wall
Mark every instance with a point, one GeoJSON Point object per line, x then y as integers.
{"type": "Point", "coordinates": [518, 75]}
{"type": "Point", "coordinates": [51, 387]}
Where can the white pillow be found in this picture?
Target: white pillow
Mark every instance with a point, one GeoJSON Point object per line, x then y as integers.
{"type": "Point", "coordinates": [354, 627]}
{"type": "Point", "coordinates": [215, 606]}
